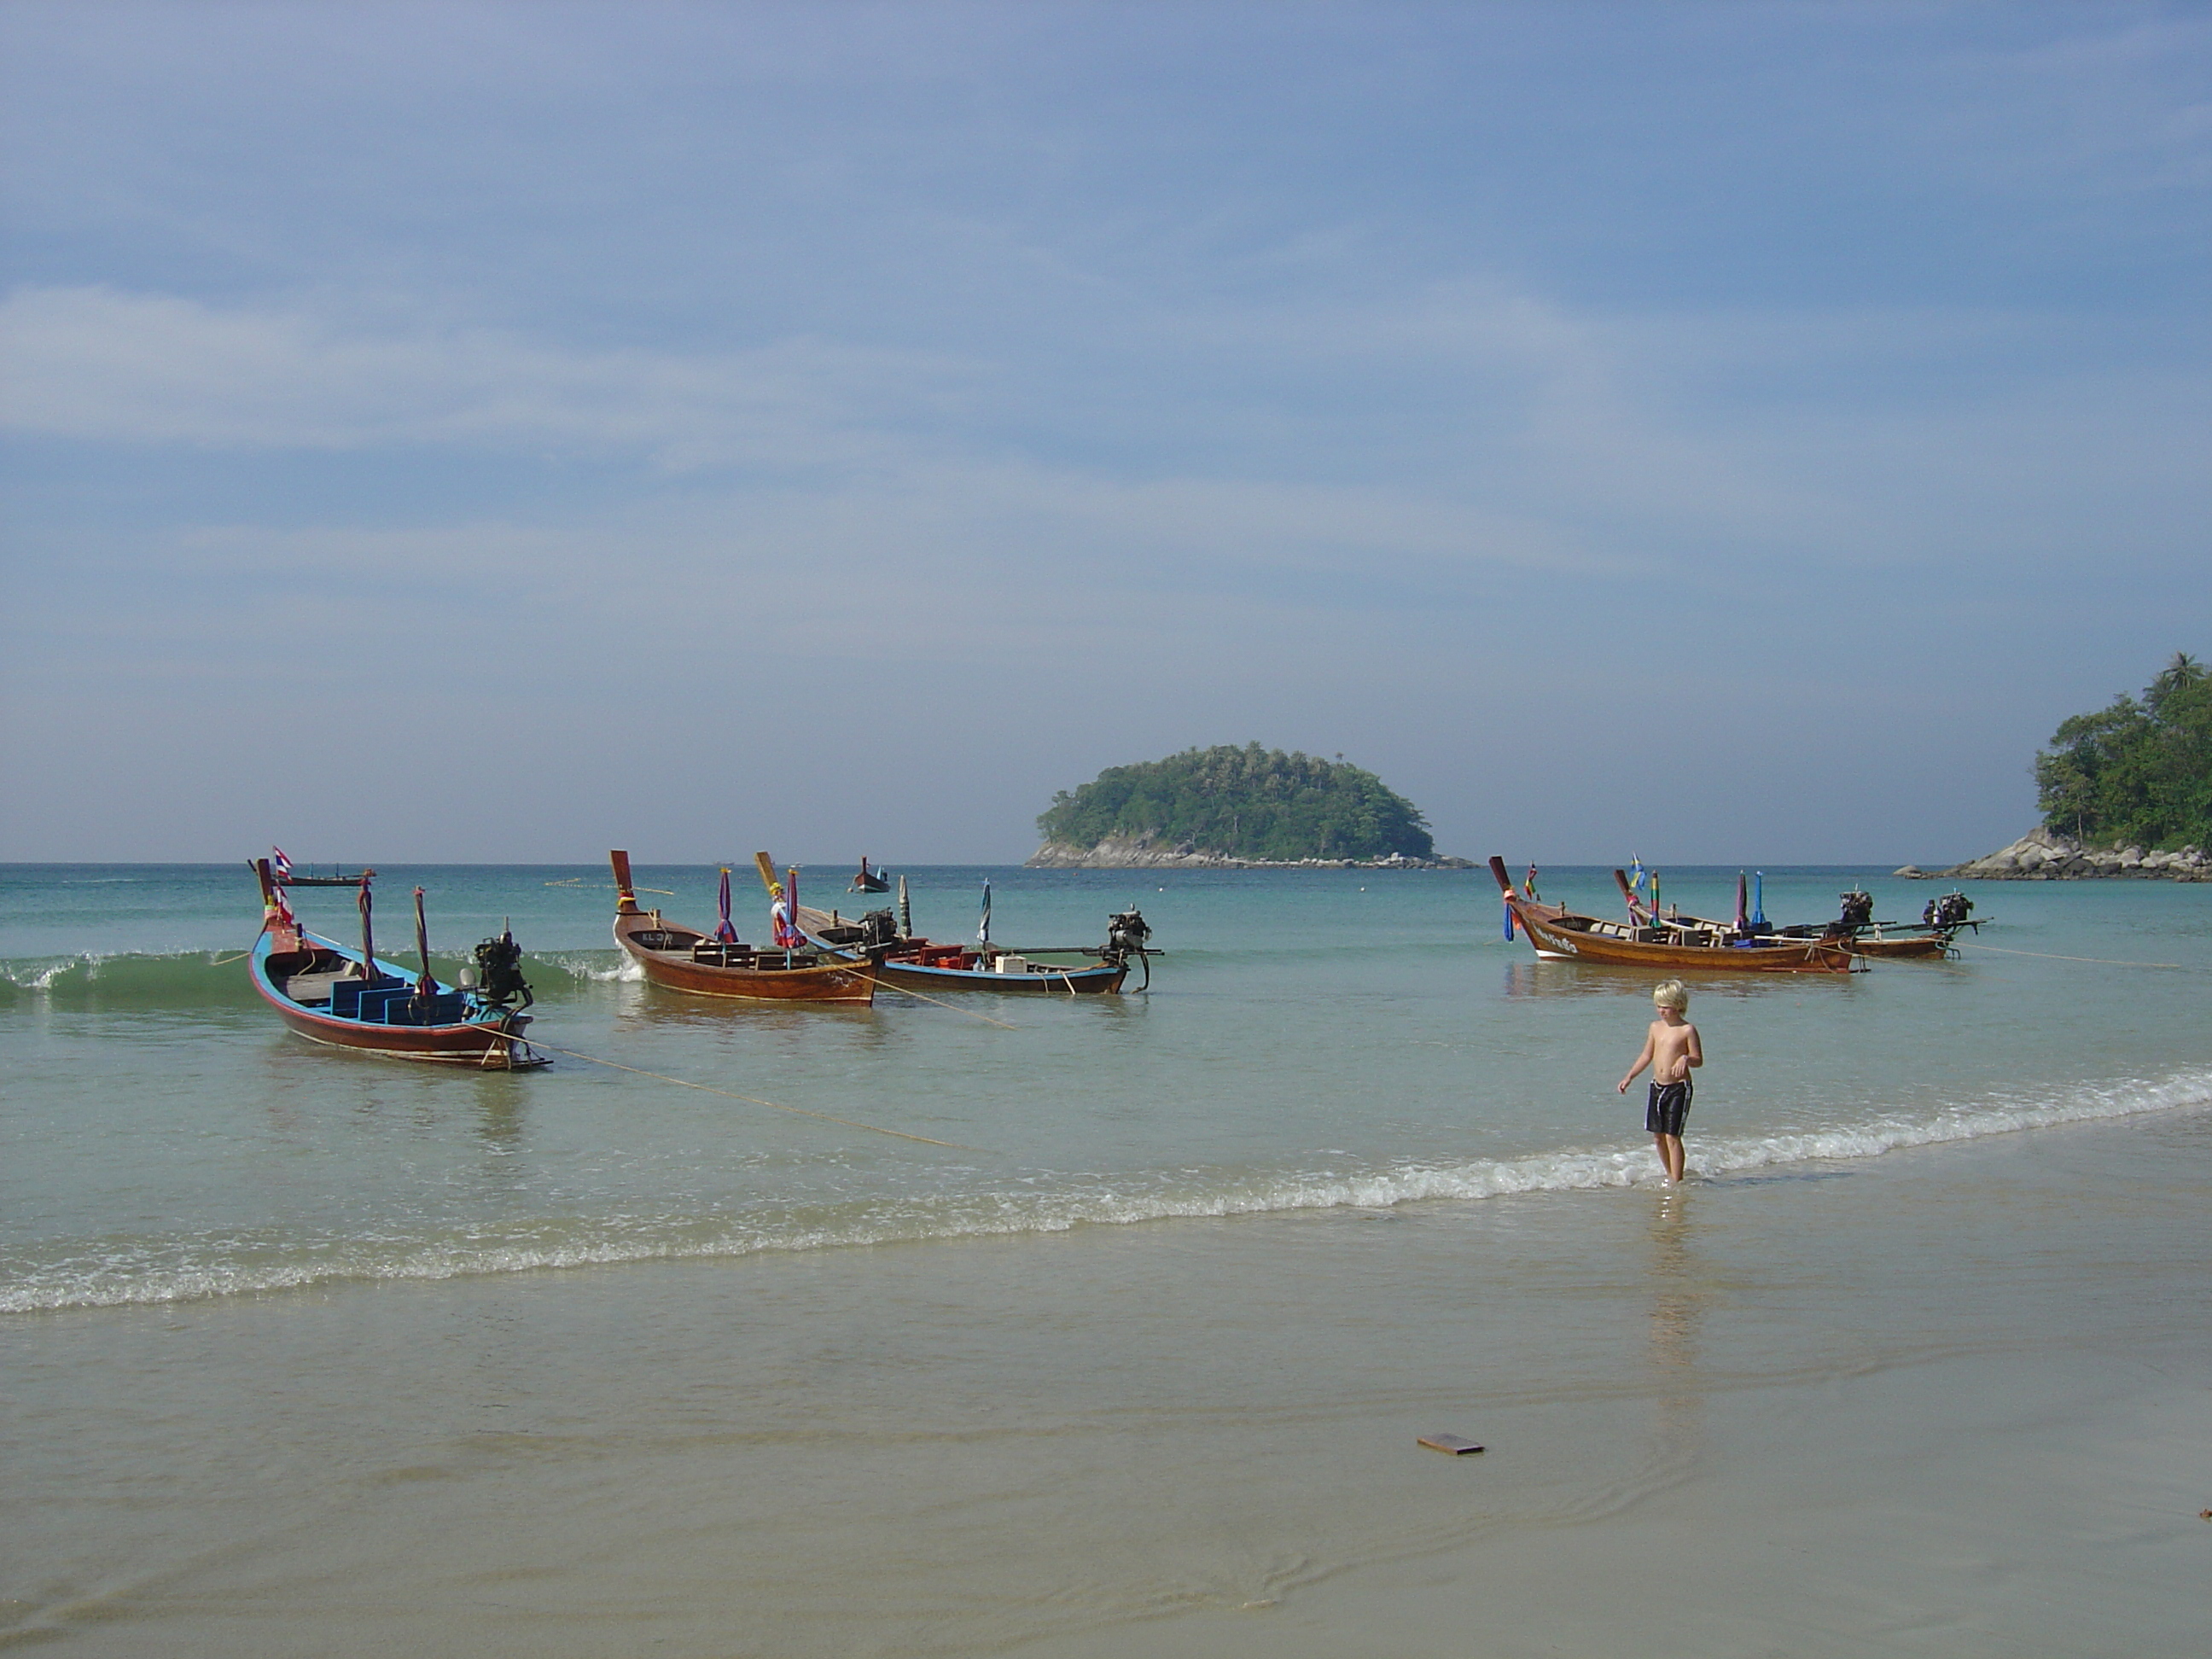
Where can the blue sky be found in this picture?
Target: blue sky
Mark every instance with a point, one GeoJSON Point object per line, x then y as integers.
{"type": "Point", "coordinates": [1731, 432]}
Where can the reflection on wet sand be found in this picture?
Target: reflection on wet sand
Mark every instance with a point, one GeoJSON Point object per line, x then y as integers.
{"type": "Point", "coordinates": [1678, 1305]}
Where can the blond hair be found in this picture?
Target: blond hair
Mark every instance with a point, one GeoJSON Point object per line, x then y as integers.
{"type": "Point", "coordinates": [1671, 994]}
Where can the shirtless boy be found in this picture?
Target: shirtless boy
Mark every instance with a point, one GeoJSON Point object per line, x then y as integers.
{"type": "Point", "coordinates": [1671, 1048]}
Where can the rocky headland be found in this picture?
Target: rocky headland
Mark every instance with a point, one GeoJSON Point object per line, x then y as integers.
{"type": "Point", "coordinates": [2046, 855]}
{"type": "Point", "coordinates": [1119, 853]}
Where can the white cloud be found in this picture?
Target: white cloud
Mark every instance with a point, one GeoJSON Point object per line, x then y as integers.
{"type": "Point", "coordinates": [98, 364]}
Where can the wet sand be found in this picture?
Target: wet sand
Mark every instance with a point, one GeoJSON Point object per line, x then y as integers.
{"type": "Point", "coordinates": [1952, 1400]}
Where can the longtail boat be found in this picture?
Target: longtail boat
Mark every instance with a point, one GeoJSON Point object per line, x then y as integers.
{"type": "Point", "coordinates": [345, 997]}
{"type": "Point", "coordinates": [1674, 942]}
{"type": "Point", "coordinates": [866, 880]}
{"type": "Point", "coordinates": [720, 965]}
{"type": "Point", "coordinates": [1855, 927]}
{"type": "Point", "coordinates": [1940, 924]}
{"type": "Point", "coordinates": [906, 961]}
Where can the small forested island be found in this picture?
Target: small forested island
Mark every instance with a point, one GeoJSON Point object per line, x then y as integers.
{"type": "Point", "coordinates": [1232, 807]}
{"type": "Point", "coordinates": [2124, 790]}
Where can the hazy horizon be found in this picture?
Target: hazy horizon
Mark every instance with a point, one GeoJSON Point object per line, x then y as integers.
{"type": "Point", "coordinates": [1737, 434]}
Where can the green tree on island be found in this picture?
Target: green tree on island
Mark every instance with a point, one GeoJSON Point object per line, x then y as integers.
{"type": "Point", "coordinates": [2139, 772]}
{"type": "Point", "coordinates": [1247, 803]}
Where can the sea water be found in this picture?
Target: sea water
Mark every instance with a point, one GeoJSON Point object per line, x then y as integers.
{"type": "Point", "coordinates": [1093, 1313]}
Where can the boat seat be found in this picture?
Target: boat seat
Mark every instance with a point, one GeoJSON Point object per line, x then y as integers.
{"type": "Point", "coordinates": [446, 1008]}
{"type": "Point", "coordinates": [375, 1007]}
{"type": "Point", "coordinates": [346, 995]}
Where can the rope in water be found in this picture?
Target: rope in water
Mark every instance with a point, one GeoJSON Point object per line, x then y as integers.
{"type": "Point", "coordinates": [901, 990]}
{"type": "Point", "coordinates": [751, 1100]}
{"type": "Point", "coordinates": [2046, 956]}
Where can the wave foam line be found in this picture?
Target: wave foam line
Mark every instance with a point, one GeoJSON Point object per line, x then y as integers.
{"type": "Point", "coordinates": [187, 978]}
{"type": "Point", "coordinates": [112, 1282]}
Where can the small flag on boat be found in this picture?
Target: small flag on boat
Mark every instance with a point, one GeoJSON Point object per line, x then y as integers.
{"type": "Point", "coordinates": [279, 863]}
{"type": "Point", "coordinates": [1529, 887]}
{"type": "Point", "coordinates": [1635, 872]}
{"type": "Point", "coordinates": [983, 927]}
{"type": "Point", "coordinates": [723, 929]}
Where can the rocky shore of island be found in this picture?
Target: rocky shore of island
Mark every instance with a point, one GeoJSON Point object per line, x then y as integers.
{"type": "Point", "coordinates": [1116, 852]}
{"type": "Point", "coordinates": [2046, 855]}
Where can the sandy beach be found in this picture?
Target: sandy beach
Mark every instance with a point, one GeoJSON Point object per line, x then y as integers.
{"type": "Point", "coordinates": [1952, 1400]}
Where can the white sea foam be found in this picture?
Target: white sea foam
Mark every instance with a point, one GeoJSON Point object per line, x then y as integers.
{"type": "Point", "coordinates": [624, 969]}
{"type": "Point", "coordinates": [166, 1274]}
{"type": "Point", "coordinates": [40, 973]}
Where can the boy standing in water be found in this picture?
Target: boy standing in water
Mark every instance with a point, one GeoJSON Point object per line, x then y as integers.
{"type": "Point", "coordinates": [1671, 1049]}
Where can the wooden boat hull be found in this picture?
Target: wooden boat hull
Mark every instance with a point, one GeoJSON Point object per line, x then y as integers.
{"type": "Point", "coordinates": [1551, 939]}
{"type": "Point", "coordinates": [1040, 979]}
{"type": "Point", "coordinates": [488, 1043]}
{"type": "Point", "coordinates": [667, 955]}
{"type": "Point", "coordinates": [955, 968]}
{"type": "Point", "coordinates": [1558, 933]}
{"type": "Point", "coordinates": [1928, 947]}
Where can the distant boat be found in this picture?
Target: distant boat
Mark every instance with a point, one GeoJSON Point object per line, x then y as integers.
{"type": "Point", "coordinates": [869, 881]}
{"type": "Point", "coordinates": [344, 998]}
{"type": "Point", "coordinates": [1667, 942]}
{"type": "Point", "coordinates": [907, 961]}
{"type": "Point", "coordinates": [685, 959]}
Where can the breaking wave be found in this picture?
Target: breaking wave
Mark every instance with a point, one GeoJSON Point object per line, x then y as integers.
{"type": "Point", "coordinates": [217, 978]}
{"type": "Point", "coordinates": [118, 1272]}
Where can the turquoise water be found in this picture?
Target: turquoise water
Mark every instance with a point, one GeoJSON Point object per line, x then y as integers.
{"type": "Point", "coordinates": [1311, 1040]}
{"type": "Point", "coordinates": [305, 1352]}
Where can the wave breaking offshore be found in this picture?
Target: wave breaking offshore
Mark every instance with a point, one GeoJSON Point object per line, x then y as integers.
{"type": "Point", "coordinates": [188, 1269]}
{"type": "Point", "coordinates": [155, 981]}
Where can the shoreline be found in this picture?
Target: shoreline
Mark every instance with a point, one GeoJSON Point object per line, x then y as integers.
{"type": "Point", "coordinates": [1844, 1382]}
{"type": "Point", "coordinates": [1135, 855]}
{"type": "Point", "coordinates": [2042, 855]}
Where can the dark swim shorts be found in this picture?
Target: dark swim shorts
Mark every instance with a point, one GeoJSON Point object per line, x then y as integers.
{"type": "Point", "coordinates": [1670, 1105]}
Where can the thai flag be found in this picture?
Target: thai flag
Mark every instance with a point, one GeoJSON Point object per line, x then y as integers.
{"type": "Point", "coordinates": [279, 863]}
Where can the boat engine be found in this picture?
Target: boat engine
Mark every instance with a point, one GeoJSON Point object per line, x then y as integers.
{"type": "Point", "coordinates": [878, 927]}
{"type": "Point", "coordinates": [1125, 933]}
{"type": "Point", "coordinates": [1949, 911]}
{"type": "Point", "coordinates": [499, 965]}
{"type": "Point", "coordinates": [1858, 911]}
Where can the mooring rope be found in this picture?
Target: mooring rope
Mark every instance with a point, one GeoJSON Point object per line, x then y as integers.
{"type": "Point", "coordinates": [901, 990]}
{"type": "Point", "coordinates": [2046, 956]}
{"type": "Point", "coordinates": [751, 1100]}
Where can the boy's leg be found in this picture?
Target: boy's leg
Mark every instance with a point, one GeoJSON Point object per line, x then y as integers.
{"type": "Point", "coordinates": [1670, 1156]}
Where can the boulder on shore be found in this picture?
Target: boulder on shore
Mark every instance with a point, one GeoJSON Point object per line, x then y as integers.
{"type": "Point", "coordinates": [2043, 854]}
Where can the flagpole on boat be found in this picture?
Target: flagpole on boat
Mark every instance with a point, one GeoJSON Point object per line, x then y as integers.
{"type": "Point", "coordinates": [425, 986]}
{"type": "Point", "coordinates": [367, 931]}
